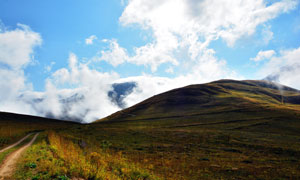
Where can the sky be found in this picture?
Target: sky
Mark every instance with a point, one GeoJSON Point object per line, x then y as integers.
{"type": "Point", "coordinates": [61, 58]}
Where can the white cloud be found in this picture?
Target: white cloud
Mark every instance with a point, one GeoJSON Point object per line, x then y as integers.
{"type": "Point", "coordinates": [229, 20]}
{"type": "Point", "coordinates": [16, 46]}
{"type": "Point", "coordinates": [284, 68]}
{"type": "Point", "coordinates": [11, 83]}
{"type": "Point", "coordinates": [263, 55]}
{"type": "Point", "coordinates": [115, 55]}
{"type": "Point", "coordinates": [16, 51]}
{"type": "Point", "coordinates": [90, 40]}
{"type": "Point", "coordinates": [188, 26]}
{"type": "Point", "coordinates": [77, 92]}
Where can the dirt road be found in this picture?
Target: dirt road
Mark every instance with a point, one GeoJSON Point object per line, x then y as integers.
{"type": "Point", "coordinates": [15, 144]}
{"type": "Point", "coordinates": [8, 166]}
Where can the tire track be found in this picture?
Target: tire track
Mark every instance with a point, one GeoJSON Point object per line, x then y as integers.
{"type": "Point", "coordinates": [15, 144]}
{"type": "Point", "coordinates": [8, 166]}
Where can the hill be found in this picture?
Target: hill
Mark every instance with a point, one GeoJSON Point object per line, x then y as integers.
{"type": "Point", "coordinates": [15, 118]}
{"type": "Point", "coordinates": [249, 104]}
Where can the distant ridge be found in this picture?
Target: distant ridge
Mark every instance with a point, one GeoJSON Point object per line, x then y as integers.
{"type": "Point", "coordinates": [8, 116]}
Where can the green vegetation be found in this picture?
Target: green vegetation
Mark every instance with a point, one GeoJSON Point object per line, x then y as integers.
{"type": "Point", "coordinates": [221, 130]}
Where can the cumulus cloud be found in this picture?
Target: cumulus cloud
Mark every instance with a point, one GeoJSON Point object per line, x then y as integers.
{"type": "Point", "coordinates": [145, 55]}
{"type": "Point", "coordinates": [16, 51]}
{"type": "Point", "coordinates": [90, 40]}
{"type": "Point", "coordinates": [263, 55]}
{"type": "Point", "coordinates": [284, 68]}
{"type": "Point", "coordinates": [229, 20]}
{"type": "Point", "coordinates": [90, 85]}
{"type": "Point", "coordinates": [115, 55]}
{"type": "Point", "coordinates": [186, 28]}
{"type": "Point", "coordinates": [16, 46]}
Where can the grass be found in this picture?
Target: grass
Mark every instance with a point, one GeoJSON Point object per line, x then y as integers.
{"type": "Point", "coordinates": [203, 152]}
{"type": "Point", "coordinates": [56, 155]}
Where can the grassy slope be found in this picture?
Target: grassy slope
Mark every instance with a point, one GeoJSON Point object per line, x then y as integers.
{"type": "Point", "coordinates": [221, 130]}
{"type": "Point", "coordinates": [241, 104]}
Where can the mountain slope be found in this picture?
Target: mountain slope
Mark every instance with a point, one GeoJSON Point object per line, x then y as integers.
{"type": "Point", "coordinates": [252, 104]}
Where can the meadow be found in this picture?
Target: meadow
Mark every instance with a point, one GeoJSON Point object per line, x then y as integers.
{"type": "Point", "coordinates": [150, 150]}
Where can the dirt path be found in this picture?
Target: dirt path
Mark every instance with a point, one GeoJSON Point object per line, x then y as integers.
{"type": "Point", "coordinates": [15, 144]}
{"type": "Point", "coordinates": [8, 166]}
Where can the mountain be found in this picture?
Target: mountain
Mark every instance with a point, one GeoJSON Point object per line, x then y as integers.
{"type": "Point", "coordinates": [245, 104]}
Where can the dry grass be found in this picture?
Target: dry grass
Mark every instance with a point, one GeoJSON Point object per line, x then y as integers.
{"type": "Point", "coordinates": [58, 156]}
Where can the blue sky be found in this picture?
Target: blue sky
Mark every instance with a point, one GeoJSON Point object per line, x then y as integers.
{"type": "Point", "coordinates": [55, 49]}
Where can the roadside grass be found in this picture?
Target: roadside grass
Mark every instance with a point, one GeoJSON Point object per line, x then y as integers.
{"type": "Point", "coordinates": [58, 156]}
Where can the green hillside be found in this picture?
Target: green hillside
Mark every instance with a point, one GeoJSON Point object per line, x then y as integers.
{"type": "Point", "coordinates": [251, 105]}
